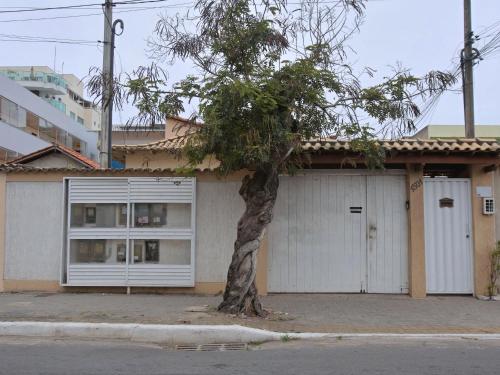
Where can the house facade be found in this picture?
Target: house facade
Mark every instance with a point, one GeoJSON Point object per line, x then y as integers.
{"type": "Point", "coordinates": [423, 225]}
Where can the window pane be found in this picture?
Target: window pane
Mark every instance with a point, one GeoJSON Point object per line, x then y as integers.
{"type": "Point", "coordinates": [97, 251]}
{"type": "Point", "coordinates": [8, 111]}
{"type": "Point", "coordinates": [172, 215]}
{"type": "Point", "coordinates": [47, 131]}
{"type": "Point", "coordinates": [32, 123]}
{"type": "Point", "coordinates": [101, 215]}
{"type": "Point", "coordinates": [174, 252]}
{"type": "Point", "coordinates": [76, 145]}
{"type": "Point", "coordinates": [61, 136]}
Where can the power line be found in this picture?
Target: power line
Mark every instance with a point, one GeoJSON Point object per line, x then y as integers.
{"type": "Point", "coordinates": [48, 41]}
{"type": "Point", "coordinates": [79, 6]}
{"type": "Point", "coordinates": [32, 37]}
{"type": "Point", "coordinates": [171, 6]}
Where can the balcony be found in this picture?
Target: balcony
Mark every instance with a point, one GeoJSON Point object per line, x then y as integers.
{"type": "Point", "coordinates": [56, 104]}
{"type": "Point", "coordinates": [51, 84]}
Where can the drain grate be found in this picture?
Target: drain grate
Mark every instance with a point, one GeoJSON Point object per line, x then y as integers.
{"type": "Point", "coordinates": [212, 347]}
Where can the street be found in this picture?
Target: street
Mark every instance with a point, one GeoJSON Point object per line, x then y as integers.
{"type": "Point", "coordinates": [360, 356]}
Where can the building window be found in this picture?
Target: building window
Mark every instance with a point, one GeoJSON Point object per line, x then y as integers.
{"type": "Point", "coordinates": [100, 215]}
{"type": "Point", "coordinates": [154, 251]}
{"type": "Point", "coordinates": [79, 120]}
{"type": "Point", "coordinates": [32, 123]}
{"type": "Point", "coordinates": [110, 251]}
{"type": "Point", "coordinates": [7, 155]}
{"type": "Point", "coordinates": [48, 131]}
{"type": "Point", "coordinates": [72, 115]}
{"type": "Point", "coordinates": [9, 112]}
{"type": "Point", "coordinates": [173, 215]}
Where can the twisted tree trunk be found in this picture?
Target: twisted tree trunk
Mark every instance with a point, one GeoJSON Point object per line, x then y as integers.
{"type": "Point", "coordinates": [259, 193]}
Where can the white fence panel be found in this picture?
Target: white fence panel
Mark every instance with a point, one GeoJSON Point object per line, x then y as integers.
{"type": "Point", "coordinates": [171, 189]}
{"type": "Point", "coordinates": [98, 190]}
{"type": "Point", "coordinates": [387, 251]}
{"type": "Point", "coordinates": [97, 275]}
{"type": "Point", "coordinates": [448, 246]}
{"type": "Point", "coordinates": [317, 237]}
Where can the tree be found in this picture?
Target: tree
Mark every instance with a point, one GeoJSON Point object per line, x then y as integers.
{"type": "Point", "coordinates": [269, 75]}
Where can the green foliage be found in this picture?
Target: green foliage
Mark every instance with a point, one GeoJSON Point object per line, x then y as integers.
{"type": "Point", "coordinates": [269, 79]}
{"type": "Point", "coordinates": [494, 271]}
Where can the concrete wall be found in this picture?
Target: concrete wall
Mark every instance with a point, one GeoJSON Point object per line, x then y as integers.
{"type": "Point", "coordinates": [416, 237]}
{"type": "Point", "coordinates": [33, 230]}
{"type": "Point", "coordinates": [218, 209]}
{"type": "Point", "coordinates": [496, 190]}
{"type": "Point", "coordinates": [163, 160]}
{"type": "Point", "coordinates": [483, 231]}
{"type": "Point", "coordinates": [136, 137]}
{"type": "Point", "coordinates": [35, 219]}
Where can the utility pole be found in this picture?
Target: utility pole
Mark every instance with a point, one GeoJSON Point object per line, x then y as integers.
{"type": "Point", "coordinates": [467, 58]}
{"type": "Point", "coordinates": [105, 155]}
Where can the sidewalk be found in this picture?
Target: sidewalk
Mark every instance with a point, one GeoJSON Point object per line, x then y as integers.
{"type": "Point", "coordinates": [291, 312]}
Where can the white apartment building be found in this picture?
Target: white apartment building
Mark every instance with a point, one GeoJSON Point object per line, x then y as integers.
{"type": "Point", "coordinates": [28, 123]}
{"type": "Point", "coordinates": [62, 91]}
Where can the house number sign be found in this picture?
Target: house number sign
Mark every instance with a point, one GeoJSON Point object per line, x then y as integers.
{"type": "Point", "coordinates": [416, 185]}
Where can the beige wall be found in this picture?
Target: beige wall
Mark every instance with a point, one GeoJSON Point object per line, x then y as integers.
{"type": "Point", "coordinates": [483, 231]}
{"type": "Point", "coordinates": [416, 237]}
{"type": "Point", "coordinates": [136, 137]}
{"type": "Point", "coordinates": [3, 187]}
{"type": "Point", "coordinates": [146, 159]}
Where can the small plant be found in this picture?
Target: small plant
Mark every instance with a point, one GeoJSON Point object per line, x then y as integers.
{"type": "Point", "coordinates": [494, 271]}
{"type": "Point", "coordinates": [285, 338]}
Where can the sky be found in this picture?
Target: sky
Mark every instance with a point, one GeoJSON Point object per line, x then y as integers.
{"type": "Point", "coordinates": [422, 35]}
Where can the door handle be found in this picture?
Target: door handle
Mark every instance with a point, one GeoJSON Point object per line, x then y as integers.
{"type": "Point", "coordinates": [372, 229]}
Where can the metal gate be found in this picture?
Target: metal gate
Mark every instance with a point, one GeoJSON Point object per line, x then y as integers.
{"type": "Point", "coordinates": [339, 233]}
{"type": "Point", "coordinates": [448, 246]}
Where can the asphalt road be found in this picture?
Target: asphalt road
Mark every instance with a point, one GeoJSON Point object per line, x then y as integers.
{"type": "Point", "coordinates": [31, 356]}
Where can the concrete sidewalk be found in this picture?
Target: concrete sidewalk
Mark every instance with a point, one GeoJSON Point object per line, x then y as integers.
{"type": "Point", "coordinates": [291, 313]}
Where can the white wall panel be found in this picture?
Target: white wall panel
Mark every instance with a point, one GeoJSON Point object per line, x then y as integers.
{"type": "Point", "coordinates": [218, 209]}
{"type": "Point", "coordinates": [448, 242]}
{"type": "Point", "coordinates": [316, 244]}
{"type": "Point", "coordinates": [34, 224]}
{"type": "Point", "coordinates": [98, 190]}
{"type": "Point", "coordinates": [387, 250]}
{"type": "Point", "coordinates": [168, 189]}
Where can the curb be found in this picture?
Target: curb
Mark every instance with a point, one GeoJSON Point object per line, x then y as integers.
{"type": "Point", "coordinates": [147, 333]}
{"type": "Point", "coordinates": [196, 334]}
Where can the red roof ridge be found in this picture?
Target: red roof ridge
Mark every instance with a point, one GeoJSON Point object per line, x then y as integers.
{"type": "Point", "coordinates": [57, 147]}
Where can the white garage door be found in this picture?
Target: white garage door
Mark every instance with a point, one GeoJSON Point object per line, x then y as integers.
{"type": "Point", "coordinates": [339, 233]}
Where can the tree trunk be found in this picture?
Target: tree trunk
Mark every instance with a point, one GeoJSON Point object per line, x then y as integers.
{"type": "Point", "coordinates": [259, 193]}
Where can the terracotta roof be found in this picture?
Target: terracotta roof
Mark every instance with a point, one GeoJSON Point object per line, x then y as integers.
{"type": "Point", "coordinates": [330, 144]}
{"type": "Point", "coordinates": [412, 144]}
{"type": "Point", "coordinates": [75, 155]}
{"type": "Point", "coordinates": [26, 168]}
{"type": "Point", "coordinates": [169, 145]}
